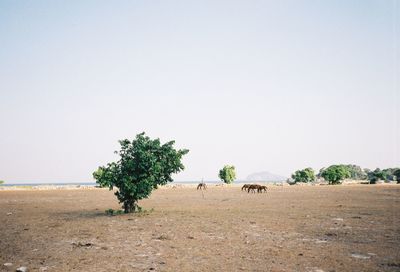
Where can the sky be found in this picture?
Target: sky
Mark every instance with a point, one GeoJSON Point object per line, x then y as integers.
{"type": "Point", "coordinates": [262, 85]}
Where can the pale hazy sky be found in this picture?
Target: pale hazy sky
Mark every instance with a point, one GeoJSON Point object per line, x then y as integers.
{"type": "Point", "coordinates": [263, 85]}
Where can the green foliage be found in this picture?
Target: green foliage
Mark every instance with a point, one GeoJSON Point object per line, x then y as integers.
{"type": "Point", "coordinates": [112, 212]}
{"type": "Point", "coordinates": [377, 174]}
{"type": "Point", "coordinates": [144, 164]}
{"type": "Point", "coordinates": [334, 174]}
{"type": "Point", "coordinates": [356, 172]}
{"type": "Point", "coordinates": [396, 173]}
{"type": "Point", "coordinates": [305, 175]}
{"type": "Point", "coordinates": [227, 174]}
{"type": "Point", "coordinates": [389, 174]}
{"type": "Point", "coordinates": [1, 182]}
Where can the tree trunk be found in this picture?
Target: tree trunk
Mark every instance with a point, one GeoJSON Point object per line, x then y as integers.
{"type": "Point", "coordinates": [129, 206]}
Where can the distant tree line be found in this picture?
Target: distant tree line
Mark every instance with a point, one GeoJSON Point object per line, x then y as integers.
{"type": "Point", "coordinates": [335, 174]}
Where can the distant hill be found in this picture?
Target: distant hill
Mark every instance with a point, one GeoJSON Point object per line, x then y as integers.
{"type": "Point", "coordinates": [265, 176]}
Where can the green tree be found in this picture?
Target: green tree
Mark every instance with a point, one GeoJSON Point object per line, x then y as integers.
{"type": "Point", "coordinates": [396, 173]}
{"type": "Point", "coordinates": [1, 182]}
{"type": "Point", "coordinates": [390, 174]}
{"type": "Point", "coordinates": [143, 165]}
{"type": "Point", "coordinates": [377, 174]}
{"type": "Point", "coordinates": [305, 175]}
{"type": "Point", "coordinates": [334, 174]}
{"type": "Point", "coordinates": [227, 174]}
{"type": "Point", "coordinates": [356, 172]}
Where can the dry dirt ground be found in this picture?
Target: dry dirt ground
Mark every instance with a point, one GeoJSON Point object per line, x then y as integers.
{"type": "Point", "coordinates": [290, 228]}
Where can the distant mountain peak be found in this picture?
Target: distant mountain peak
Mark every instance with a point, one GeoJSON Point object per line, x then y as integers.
{"type": "Point", "coordinates": [265, 176]}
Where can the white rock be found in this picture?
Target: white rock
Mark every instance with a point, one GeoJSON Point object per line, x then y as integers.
{"type": "Point", "coordinates": [360, 256]}
{"type": "Point", "coordinates": [8, 264]}
{"type": "Point", "coordinates": [22, 269]}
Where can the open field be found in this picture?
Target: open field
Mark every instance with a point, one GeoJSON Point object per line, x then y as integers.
{"type": "Point", "coordinates": [291, 228]}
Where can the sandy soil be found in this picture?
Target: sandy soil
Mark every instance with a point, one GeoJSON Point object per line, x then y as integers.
{"type": "Point", "coordinates": [290, 228]}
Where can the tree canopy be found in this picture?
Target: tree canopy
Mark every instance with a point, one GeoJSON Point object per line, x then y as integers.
{"type": "Point", "coordinates": [305, 175]}
{"type": "Point", "coordinates": [334, 174]}
{"type": "Point", "coordinates": [377, 174]}
{"type": "Point", "coordinates": [389, 174]}
{"type": "Point", "coordinates": [396, 173]}
{"type": "Point", "coordinates": [227, 174]}
{"type": "Point", "coordinates": [144, 164]}
{"type": "Point", "coordinates": [392, 174]}
{"type": "Point", "coordinates": [356, 172]}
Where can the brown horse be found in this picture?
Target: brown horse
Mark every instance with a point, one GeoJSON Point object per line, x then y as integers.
{"type": "Point", "coordinates": [262, 188]}
{"type": "Point", "coordinates": [245, 187]}
{"type": "Point", "coordinates": [202, 186]}
{"type": "Point", "coordinates": [253, 188]}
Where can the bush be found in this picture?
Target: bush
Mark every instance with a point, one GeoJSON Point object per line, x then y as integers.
{"type": "Point", "coordinates": [112, 212]}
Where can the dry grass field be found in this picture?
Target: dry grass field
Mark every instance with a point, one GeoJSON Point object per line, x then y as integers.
{"type": "Point", "coordinates": [290, 228]}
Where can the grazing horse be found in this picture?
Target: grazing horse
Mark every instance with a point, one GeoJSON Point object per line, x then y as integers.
{"type": "Point", "coordinates": [253, 188]}
{"type": "Point", "coordinates": [202, 186]}
{"type": "Point", "coordinates": [261, 188]}
{"type": "Point", "coordinates": [245, 187]}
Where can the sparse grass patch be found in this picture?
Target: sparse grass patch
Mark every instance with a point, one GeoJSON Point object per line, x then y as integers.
{"type": "Point", "coordinates": [140, 212]}
{"type": "Point", "coordinates": [112, 212]}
